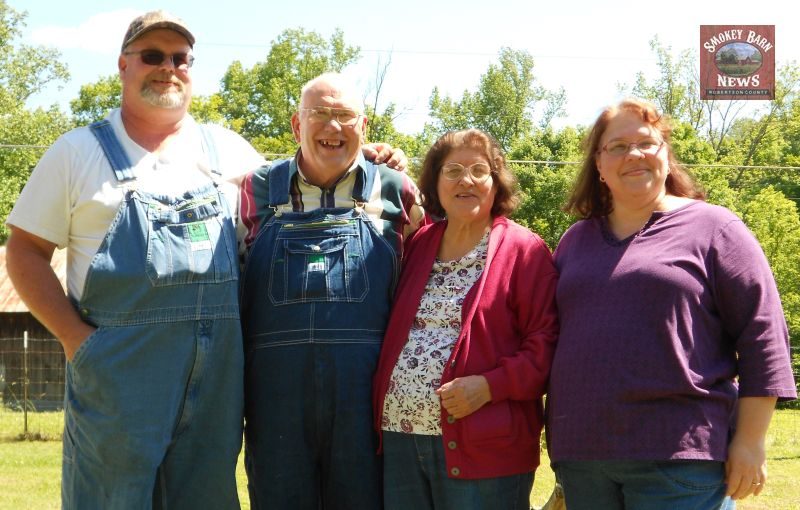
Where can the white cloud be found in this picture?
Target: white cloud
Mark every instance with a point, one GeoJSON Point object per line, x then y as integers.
{"type": "Point", "coordinates": [102, 33]}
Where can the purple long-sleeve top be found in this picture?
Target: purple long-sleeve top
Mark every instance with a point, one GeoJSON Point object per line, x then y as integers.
{"type": "Point", "coordinates": [655, 329]}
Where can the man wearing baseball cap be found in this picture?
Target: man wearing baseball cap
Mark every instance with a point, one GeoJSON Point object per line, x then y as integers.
{"type": "Point", "coordinates": [144, 202]}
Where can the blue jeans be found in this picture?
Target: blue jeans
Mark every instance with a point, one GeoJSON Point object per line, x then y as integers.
{"type": "Point", "coordinates": [415, 477]}
{"type": "Point", "coordinates": [644, 485]}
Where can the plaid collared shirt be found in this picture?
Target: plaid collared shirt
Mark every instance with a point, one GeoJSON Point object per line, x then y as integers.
{"type": "Point", "coordinates": [393, 204]}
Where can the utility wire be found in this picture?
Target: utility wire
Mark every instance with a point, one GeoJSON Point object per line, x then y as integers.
{"type": "Point", "coordinates": [275, 155]}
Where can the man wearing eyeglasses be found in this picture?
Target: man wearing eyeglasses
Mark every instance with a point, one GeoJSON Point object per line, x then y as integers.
{"type": "Point", "coordinates": [143, 202]}
{"type": "Point", "coordinates": [325, 232]}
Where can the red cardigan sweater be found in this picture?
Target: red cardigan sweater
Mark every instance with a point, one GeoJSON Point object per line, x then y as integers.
{"type": "Point", "coordinates": [508, 334]}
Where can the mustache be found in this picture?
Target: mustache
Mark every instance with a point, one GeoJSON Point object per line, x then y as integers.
{"type": "Point", "coordinates": [166, 77]}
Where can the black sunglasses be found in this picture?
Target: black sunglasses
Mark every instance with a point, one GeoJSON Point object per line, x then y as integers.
{"type": "Point", "coordinates": [156, 57]}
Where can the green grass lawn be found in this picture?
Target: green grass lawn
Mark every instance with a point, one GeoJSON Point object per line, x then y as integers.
{"type": "Point", "coordinates": [30, 470]}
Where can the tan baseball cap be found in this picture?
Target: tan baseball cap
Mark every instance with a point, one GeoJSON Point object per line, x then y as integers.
{"type": "Point", "coordinates": [153, 20]}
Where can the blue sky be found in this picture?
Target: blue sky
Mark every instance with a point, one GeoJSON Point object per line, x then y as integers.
{"type": "Point", "coordinates": [585, 47]}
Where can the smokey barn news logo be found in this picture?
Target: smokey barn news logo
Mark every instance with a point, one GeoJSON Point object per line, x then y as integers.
{"type": "Point", "coordinates": [737, 62]}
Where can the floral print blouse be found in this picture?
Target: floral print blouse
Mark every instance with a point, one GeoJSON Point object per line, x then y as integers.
{"type": "Point", "coordinates": [411, 406]}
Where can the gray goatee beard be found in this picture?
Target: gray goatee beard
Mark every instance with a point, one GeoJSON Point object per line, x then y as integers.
{"type": "Point", "coordinates": [169, 100]}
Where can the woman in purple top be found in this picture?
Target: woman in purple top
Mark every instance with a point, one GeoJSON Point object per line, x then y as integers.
{"type": "Point", "coordinates": [664, 301]}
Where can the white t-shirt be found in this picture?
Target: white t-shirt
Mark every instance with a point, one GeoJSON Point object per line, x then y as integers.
{"type": "Point", "coordinates": [73, 195]}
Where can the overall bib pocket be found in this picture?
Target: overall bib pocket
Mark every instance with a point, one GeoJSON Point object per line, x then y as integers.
{"type": "Point", "coordinates": [308, 265]}
{"type": "Point", "coordinates": [182, 241]}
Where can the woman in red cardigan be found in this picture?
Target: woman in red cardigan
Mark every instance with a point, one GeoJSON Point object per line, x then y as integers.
{"type": "Point", "coordinates": [467, 352]}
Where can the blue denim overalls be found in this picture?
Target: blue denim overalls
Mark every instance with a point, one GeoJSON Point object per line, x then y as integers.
{"type": "Point", "coordinates": [154, 397]}
{"type": "Point", "coordinates": [315, 302]}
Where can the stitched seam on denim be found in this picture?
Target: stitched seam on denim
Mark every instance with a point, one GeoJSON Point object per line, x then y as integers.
{"type": "Point", "coordinates": [347, 298]}
{"type": "Point", "coordinates": [148, 316]}
{"type": "Point", "coordinates": [303, 329]}
{"type": "Point", "coordinates": [688, 483]}
{"type": "Point", "coordinates": [270, 345]}
{"type": "Point", "coordinates": [395, 270]}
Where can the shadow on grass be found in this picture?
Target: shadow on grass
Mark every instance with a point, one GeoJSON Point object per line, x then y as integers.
{"type": "Point", "coordinates": [30, 437]}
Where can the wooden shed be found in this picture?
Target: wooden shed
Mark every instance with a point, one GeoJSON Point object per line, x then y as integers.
{"type": "Point", "coordinates": [45, 358]}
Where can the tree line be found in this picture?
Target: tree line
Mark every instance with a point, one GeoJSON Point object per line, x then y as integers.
{"type": "Point", "coordinates": [740, 159]}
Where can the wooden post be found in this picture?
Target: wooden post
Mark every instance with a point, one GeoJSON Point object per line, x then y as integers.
{"type": "Point", "coordinates": [25, 378]}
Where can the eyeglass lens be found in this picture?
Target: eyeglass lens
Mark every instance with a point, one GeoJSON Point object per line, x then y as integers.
{"type": "Point", "coordinates": [343, 116]}
{"type": "Point", "coordinates": [478, 171]}
{"type": "Point", "coordinates": [156, 57]}
{"type": "Point", "coordinates": [619, 148]}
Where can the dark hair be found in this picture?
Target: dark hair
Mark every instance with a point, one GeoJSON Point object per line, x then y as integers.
{"type": "Point", "coordinates": [590, 198]}
{"type": "Point", "coordinates": [505, 200]}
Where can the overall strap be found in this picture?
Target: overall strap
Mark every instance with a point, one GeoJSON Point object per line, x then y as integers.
{"type": "Point", "coordinates": [280, 178]}
{"type": "Point", "coordinates": [115, 154]}
{"type": "Point", "coordinates": [364, 181]}
{"type": "Point", "coordinates": [210, 149]}
{"type": "Point", "coordinates": [281, 173]}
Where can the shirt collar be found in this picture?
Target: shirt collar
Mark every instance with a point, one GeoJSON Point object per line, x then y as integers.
{"type": "Point", "coordinates": [359, 162]}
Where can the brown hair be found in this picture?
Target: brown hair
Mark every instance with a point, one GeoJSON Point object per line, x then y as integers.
{"type": "Point", "coordinates": [590, 198]}
{"type": "Point", "coordinates": [505, 200]}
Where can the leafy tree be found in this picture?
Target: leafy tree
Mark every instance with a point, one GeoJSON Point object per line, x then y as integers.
{"type": "Point", "coordinates": [760, 137]}
{"type": "Point", "coordinates": [28, 132]}
{"type": "Point", "coordinates": [674, 90]}
{"type": "Point", "coordinates": [259, 102]}
{"type": "Point", "coordinates": [549, 145]}
{"type": "Point", "coordinates": [788, 135]}
{"type": "Point", "coordinates": [381, 128]}
{"type": "Point", "coordinates": [543, 191]}
{"type": "Point", "coordinates": [775, 222]}
{"type": "Point", "coordinates": [24, 71]}
{"type": "Point", "coordinates": [450, 115]}
{"type": "Point", "coordinates": [503, 105]}
{"type": "Point", "coordinates": [766, 140]}
{"type": "Point", "coordinates": [207, 109]}
{"type": "Point", "coordinates": [690, 148]}
{"type": "Point", "coordinates": [717, 187]}
{"type": "Point", "coordinates": [791, 135]}
{"type": "Point", "coordinates": [544, 188]}
{"type": "Point", "coordinates": [281, 144]}
{"type": "Point", "coordinates": [96, 99]}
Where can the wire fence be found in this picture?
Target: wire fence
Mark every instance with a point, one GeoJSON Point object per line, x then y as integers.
{"type": "Point", "coordinates": [32, 373]}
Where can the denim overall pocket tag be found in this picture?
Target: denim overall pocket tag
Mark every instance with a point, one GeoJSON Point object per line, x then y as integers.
{"type": "Point", "coordinates": [190, 241]}
{"type": "Point", "coordinates": [198, 236]}
{"type": "Point", "coordinates": [316, 263]}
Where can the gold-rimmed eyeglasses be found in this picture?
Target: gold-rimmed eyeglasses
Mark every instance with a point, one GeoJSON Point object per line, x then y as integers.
{"type": "Point", "coordinates": [344, 116]}
{"type": "Point", "coordinates": [455, 171]}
